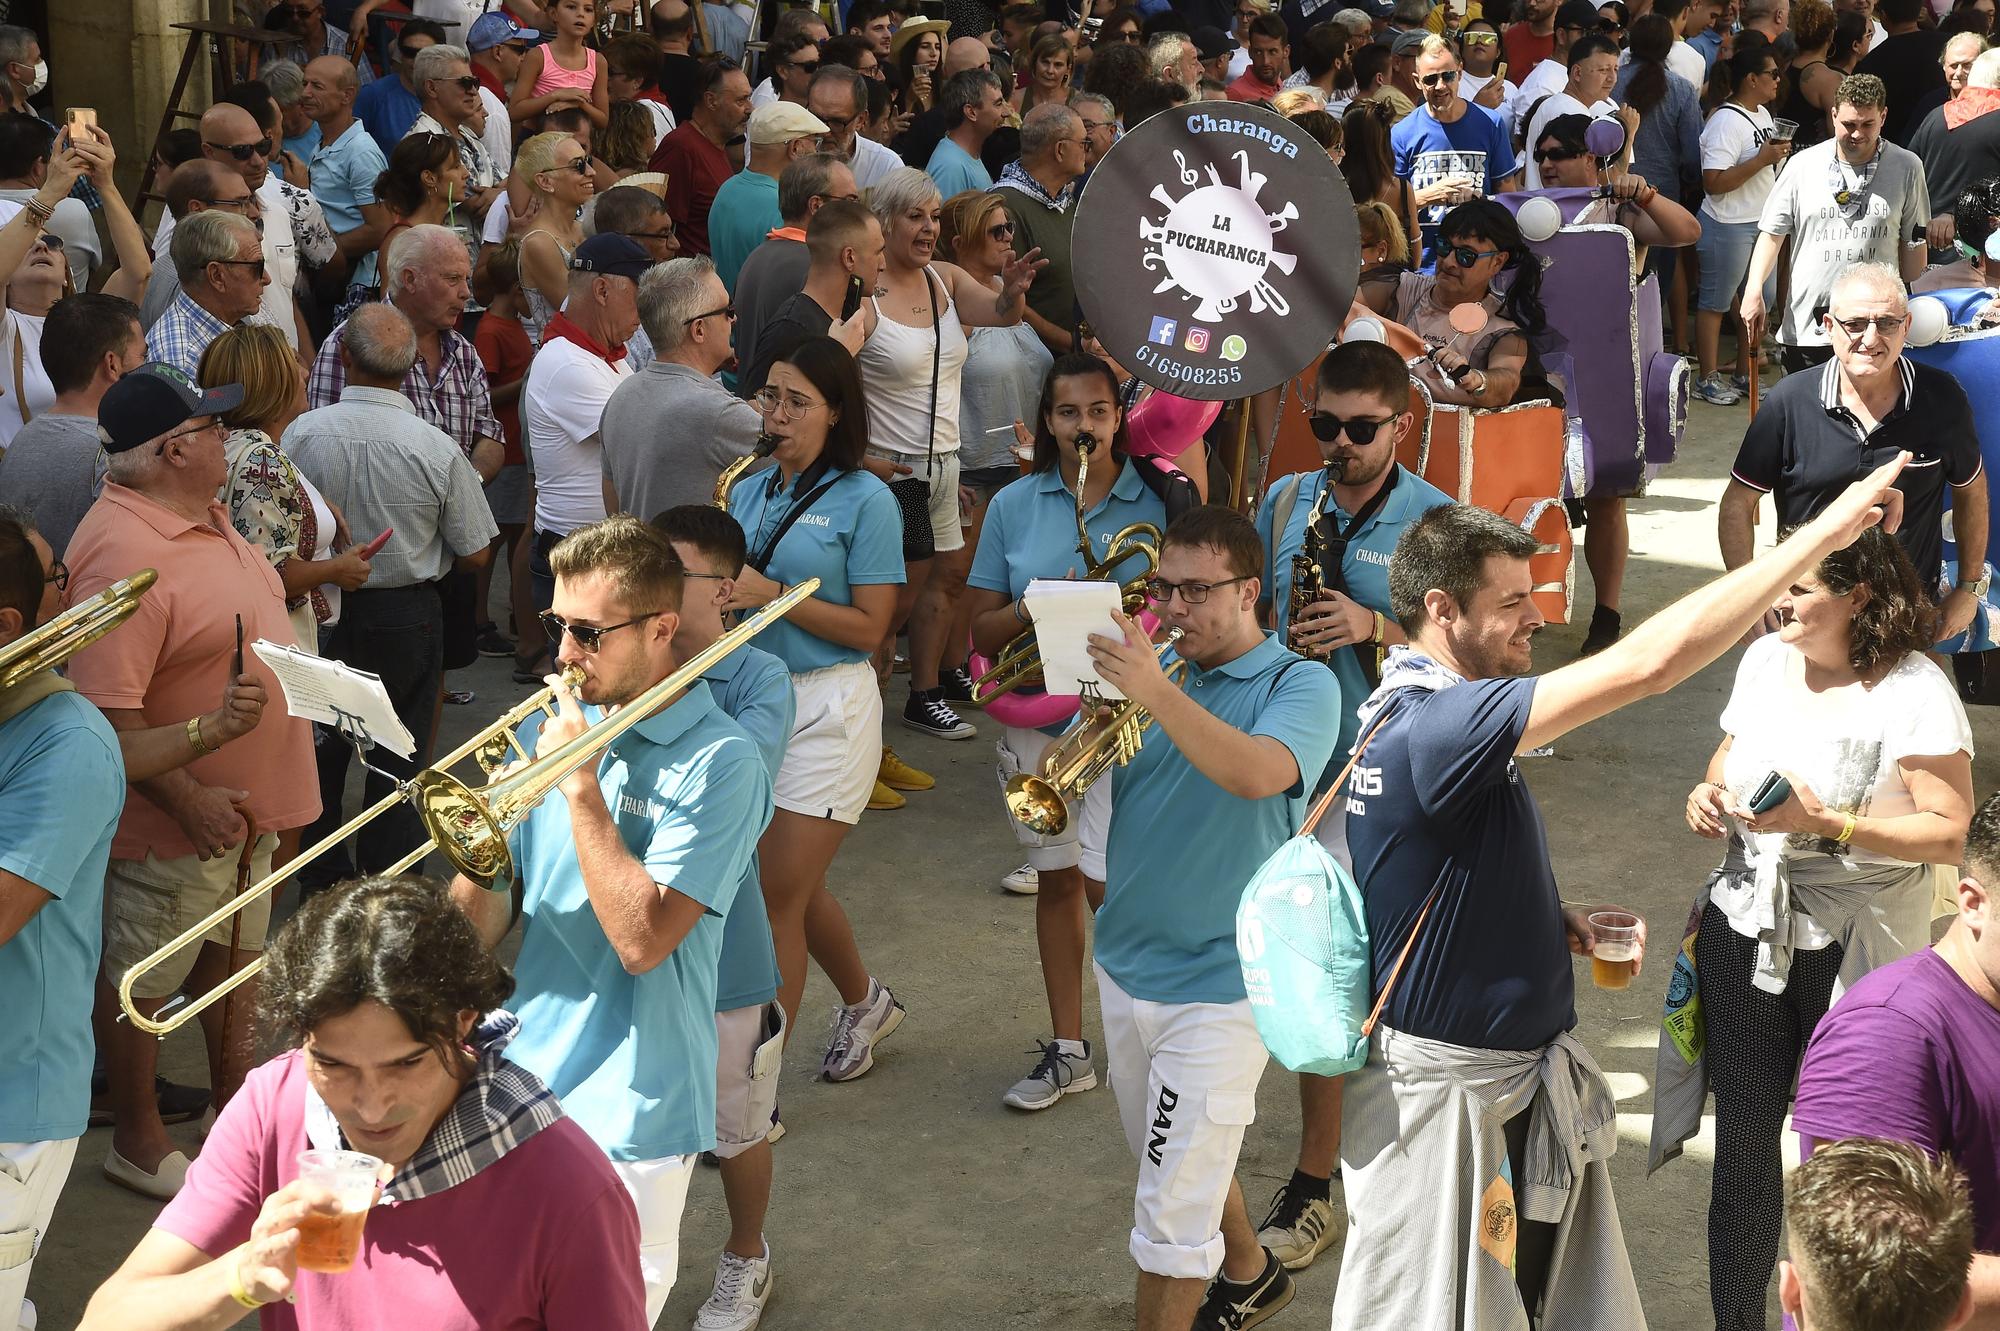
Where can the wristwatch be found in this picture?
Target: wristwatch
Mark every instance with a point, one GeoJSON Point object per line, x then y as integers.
{"type": "Point", "coordinates": [1979, 586]}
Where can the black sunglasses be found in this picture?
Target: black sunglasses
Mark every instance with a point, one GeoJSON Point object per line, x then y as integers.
{"type": "Point", "coordinates": [803, 66]}
{"type": "Point", "coordinates": [1001, 231]}
{"type": "Point", "coordinates": [587, 636]}
{"type": "Point", "coordinates": [1553, 155]}
{"type": "Point", "coordinates": [256, 265]}
{"type": "Point", "coordinates": [1361, 431]}
{"type": "Point", "coordinates": [726, 312]}
{"type": "Point", "coordinates": [469, 83]}
{"type": "Point", "coordinates": [243, 152]}
{"type": "Point", "coordinates": [409, 52]}
{"type": "Point", "coordinates": [59, 575]}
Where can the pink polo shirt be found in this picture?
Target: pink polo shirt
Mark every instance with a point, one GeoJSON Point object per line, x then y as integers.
{"type": "Point", "coordinates": [545, 1238]}
{"type": "Point", "coordinates": [171, 659]}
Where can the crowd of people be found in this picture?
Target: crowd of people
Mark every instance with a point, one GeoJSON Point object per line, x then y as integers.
{"type": "Point", "coordinates": [576, 335]}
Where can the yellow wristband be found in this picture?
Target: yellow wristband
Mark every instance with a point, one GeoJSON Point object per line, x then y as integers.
{"type": "Point", "coordinates": [236, 1290]}
{"type": "Point", "coordinates": [1846, 830]}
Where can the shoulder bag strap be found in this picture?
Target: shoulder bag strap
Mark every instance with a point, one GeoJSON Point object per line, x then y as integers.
{"type": "Point", "coordinates": [1395, 972]}
{"type": "Point", "coordinates": [937, 353]}
{"type": "Point", "coordinates": [1339, 782]}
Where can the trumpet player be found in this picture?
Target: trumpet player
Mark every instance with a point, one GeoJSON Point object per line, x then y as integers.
{"type": "Point", "coordinates": [1232, 756]}
{"type": "Point", "coordinates": [622, 885]}
{"type": "Point", "coordinates": [1043, 526]}
{"type": "Point", "coordinates": [1330, 534]}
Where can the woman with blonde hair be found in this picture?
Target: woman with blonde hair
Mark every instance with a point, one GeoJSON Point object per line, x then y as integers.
{"type": "Point", "coordinates": [1051, 66]}
{"type": "Point", "coordinates": [555, 170]}
{"type": "Point", "coordinates": [271, 503]}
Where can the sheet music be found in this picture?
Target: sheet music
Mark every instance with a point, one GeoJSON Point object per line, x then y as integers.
{"type": "Point", "coordinates": [1066, 612]}
{"type": "Point", "coordinates": [317, 689]}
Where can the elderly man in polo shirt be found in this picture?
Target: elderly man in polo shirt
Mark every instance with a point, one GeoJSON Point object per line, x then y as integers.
{"type": "Point", "coordinates": [449, 93]}
{"type": "Point", "coordinates": [201, 777]}
{"type": "Point", "coordinates": [220, 263]}
{"type": "Point", "coordinates": [345, 166]}
{"type": "Point", "coordinates": [1821, 429]}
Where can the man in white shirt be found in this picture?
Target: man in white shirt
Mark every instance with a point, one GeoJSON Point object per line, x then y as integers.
{"type": "Point", "coordinates": [1687, 16]}
{"type": "Point", "coordinates": [231, 137]}
{"type": "Point", "coordinates": [581, 361]}
{"type": "Point", "coordinates": [1593, 69]}
{"type": "Point", "coordinates": [791, 62]}
{"type": "Point", "coordinates": [839, 97]}
{"type": "Point", "coordinates": [1575, 19]}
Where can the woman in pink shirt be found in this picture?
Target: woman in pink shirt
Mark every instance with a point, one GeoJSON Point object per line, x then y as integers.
{"type": "Point", "coordinates": [497, 1213]}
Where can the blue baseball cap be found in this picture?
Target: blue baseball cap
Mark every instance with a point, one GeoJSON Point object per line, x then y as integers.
{"type": "Point", "coordinates": [496, 29]}
{"type": "Point", "coordinates": [154, 399]}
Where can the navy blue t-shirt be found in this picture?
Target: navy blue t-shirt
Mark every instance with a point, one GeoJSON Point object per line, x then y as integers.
{"type": "Point", "coordinates": [1436, 802]}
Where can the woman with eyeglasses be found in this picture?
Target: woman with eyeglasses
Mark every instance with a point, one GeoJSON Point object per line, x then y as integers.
{"type": "Point", "coordinates": [556, 170]}
{"type": "Point", "coordinates": [1051, 62]}
{"type": "Point", "coordinates": [818, 513]}
{"type": "Point", "coordinates": [1496, 366]}
{"type": "Point", "coordinates": [1031, 532]}
{"type": "Point", "coordinates": [423, 185]}
{"type": "Point", "coordinates": [1740, 159]}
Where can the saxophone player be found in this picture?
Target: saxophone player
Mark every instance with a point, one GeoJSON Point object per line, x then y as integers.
{"type": "Point", "coordinates": [1232, 758]}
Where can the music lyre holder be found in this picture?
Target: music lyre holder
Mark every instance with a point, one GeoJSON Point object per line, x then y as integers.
{"type": "Point", "coordinates": [355, 731]}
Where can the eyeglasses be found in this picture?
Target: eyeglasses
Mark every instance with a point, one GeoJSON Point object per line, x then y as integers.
{"type": "Point", "coordinates": [1439, 79]}
{"type": "Point", "coordinates": [1553, 155]}
{"type": "Point", "coordinates": [1091, 127]}
{"type": "Point", "coordinates": [256, 265]}
{"type": "Point", "coordinates": [837, 124]}
{"type": "Point", "coordinates": [1361, 431]}
{"type": "Point", "coordinates": [1000, 231]}
{"type": "Point", "coordinates": [587, 636]}
{"type": "Point", "coordinates": [468, 83]}
{"type": "Point", "coordinates": [783, 406]}
{"type": "Point", "coordinates": [668, 234]}
{"type": "Point", "coordinates": [727, 312]}
{"type": "Point", "coordinates": [59, 575]}
{"type": "Point", "coordinates": [803, 66]}
{"type": "Point", "coordinates": [242, 152]}
{"type": "Point", "coordinates": [1194, 593]}
{"type": "Point", "coordinates": [214, 426]}
{"type": "Point", "coordinates": [246, 205]}
{"type": "Point", "coordinates": [1465, 256]}
{"type": "Point", "coordinates": [1888, 325]}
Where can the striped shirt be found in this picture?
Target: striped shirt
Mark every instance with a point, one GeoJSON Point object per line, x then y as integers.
{"type": "Point", "coordinates": [459, 401]}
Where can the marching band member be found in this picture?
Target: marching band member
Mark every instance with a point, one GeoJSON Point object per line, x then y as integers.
{"type": "Point", "coordinates": [1345, 519]}
{"type": "Point", "coordinates": [1234, 752]}
{"type": "Point", "coordinates": [820, 514]}
{"type": "Point", "coordinates": [1031, 531]}
{"type": "Point", "coordinates": [754, 690]}
{"type": "Point", "coordinates": [623, 881]}
{"type": "Point", "coordinates": [497, 1210]}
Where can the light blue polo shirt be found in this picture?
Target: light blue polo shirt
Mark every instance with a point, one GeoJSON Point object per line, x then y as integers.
{"type": "Point", "coordinates": [755, 690]}
{"type": "Point", "coordinates": [1030, 529]}
{"type": "Point", "coordinates": [1365, 568]}
{"type": "Point", "coordinates": [633, 1056]}
{"type": "Point", "coordinates": [1181, 849]}
{"type": "Point", "coordinates": [852, 536]}
{"type": "Point", "coordinates": [343, 179]}
{"type": "Point", "coordinates": [62, 784]}
{"type": "Point", "coordinates": [954, 170]}
{"type": "Point", "coordinates": [744, 212]}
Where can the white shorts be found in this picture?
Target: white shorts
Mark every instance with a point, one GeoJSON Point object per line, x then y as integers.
{"type": "Point", "coordinates": [1185, 1076]}
{"type": "Point", "coordinates": [941, 470]}
{"type": "Point", "coordinates": [836, 747]}
{"type": "Point", "coordinates": [32, 1175]}
{"type": "Point", "coordinates": [1082, 842]}
{"type": "Point", "coordinates": [749, 1049]}
{"type": "Point", "coordinates": [659, 1191]}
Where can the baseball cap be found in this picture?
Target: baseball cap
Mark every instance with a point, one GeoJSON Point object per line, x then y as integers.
{"type": "Point", "coordinates": [496, 29]}
{"type": "Point", "coordinates": [1409, 43]}
{"type": "Point", "coordinates": [152, 400]}
{"type": "Point", "coordinates": [1212, 42]}
{"type": "Point", "coordinates": [1577, 14]}
{"type": "Point", "coordinates": [781, 122]}
{"type": "Point", "coordinates": [618, 256]}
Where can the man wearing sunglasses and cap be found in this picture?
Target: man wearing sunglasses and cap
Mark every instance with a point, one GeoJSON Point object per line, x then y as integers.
{"type": "Point", "coordinates": [196, 770]}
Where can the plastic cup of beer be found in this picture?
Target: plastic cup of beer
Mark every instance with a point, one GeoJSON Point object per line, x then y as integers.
{"type": "Point", "coordinates": [329, 1243]}
{"type": "Point", "coordinates": [1782, 129]}
{"type": "Point", "coordinates": [1616, 949]}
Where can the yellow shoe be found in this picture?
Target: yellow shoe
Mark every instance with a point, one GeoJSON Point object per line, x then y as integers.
{"type": "Point", "coordinates": [885, 798]}
{"type": "Point", "coordinates": [899, 775]}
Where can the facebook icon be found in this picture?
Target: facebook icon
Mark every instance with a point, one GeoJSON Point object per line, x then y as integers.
{"type": "Point", "coordinates": [1163, 331]}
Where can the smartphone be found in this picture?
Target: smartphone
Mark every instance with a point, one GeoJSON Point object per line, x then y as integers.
{"type": "Point", "coordinates": [851, 305]}
{"type": "Point", "coordinates": [79, 116]}
{"type": "Point", "coordinates": [374, 547]}
{"type": "Point", "coordinates": [1772, 791]}
{"type": "Point", "coordinates": [1500, 72]}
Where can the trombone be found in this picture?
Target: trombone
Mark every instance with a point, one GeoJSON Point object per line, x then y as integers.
{"type": "Point", "coordinates": [1041, 803]}
{"type": "Point", "coordinates": [469, 824]}
{"type": "Point", "coordinates": [73, 630]}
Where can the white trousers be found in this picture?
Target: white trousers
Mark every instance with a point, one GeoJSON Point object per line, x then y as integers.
{"type": "Point", "coordinates": [659, 1190]}
{"type": "Point", "coordinates": [32, 1175]}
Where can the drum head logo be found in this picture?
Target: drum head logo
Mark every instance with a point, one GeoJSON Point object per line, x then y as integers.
{"type": "Point", "coordinates": [1214, 250]}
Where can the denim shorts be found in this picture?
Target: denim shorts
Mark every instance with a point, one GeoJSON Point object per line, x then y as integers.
{"type": "Point", "coordinates": [1725, 248]}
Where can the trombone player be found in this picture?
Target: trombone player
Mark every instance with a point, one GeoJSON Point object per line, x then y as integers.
{"type": "Point", "coordinates": [623, 883]}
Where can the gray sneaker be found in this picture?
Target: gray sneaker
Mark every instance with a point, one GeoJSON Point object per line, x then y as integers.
{"type": "Point", "coordinates": [1298, 1228]}
{"type": "Point", "coordinates": [1059, 1073]}
{"type": "Point", "coordinates": [850, 1051]}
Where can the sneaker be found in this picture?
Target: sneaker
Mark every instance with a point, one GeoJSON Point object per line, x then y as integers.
{"type": "Point", "coordinates": [1299, 1228]}
{"type": "Point", "coordinates": [930, 713]}
{"type": "Point", "coordinates": [896, 774]}
{"type": "Point", "coordinates": [1604, 629]}
{"type": "Point", "coordinates": [1741, 383]}
{"type": "Point", "coordinates": [857, 1030]}
{"type": "Point", "coordinates": [742, 1288]}
{"type": "Point", "coordinates": [1023, 882]}
{"type": "Point", "coordinates": [1233, 1307]}
{"type": "Point", "coordinates": [883, 798]}
{"type": "Point", "coordinates": [460, 697]}
{"type": "Point", "coordinates": [1717, 391]}
{"type": "Point", "coordinates": [956, 681]}
{"type": "Point", "coordinates": [1062, 1071]}
{"type": "Point", "coordinates": [492, 642]}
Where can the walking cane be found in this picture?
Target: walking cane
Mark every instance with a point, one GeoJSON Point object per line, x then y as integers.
{"type": "Point", "coordinates": [234, 1064]}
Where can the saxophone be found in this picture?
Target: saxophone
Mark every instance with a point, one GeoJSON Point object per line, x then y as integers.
{"type": "Point", "coordinates": [1307, 581]}
{"type": "Point", "coordinates": [766, 445]}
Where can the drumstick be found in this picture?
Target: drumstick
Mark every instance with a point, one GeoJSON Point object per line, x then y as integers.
{"type": "Point", "coordinates": [1753, 383]}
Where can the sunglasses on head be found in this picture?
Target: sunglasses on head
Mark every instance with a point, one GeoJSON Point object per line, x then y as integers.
{"type": "Point", "coordinates": [1360, 431]}
{"type": "Point", "coordinates": [242, 152]}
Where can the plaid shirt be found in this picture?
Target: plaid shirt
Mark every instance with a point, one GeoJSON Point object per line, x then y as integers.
{"type": "Point", "coordinates": [460, 402]}
{"type": "Point", "coordinates": [182, 334]}
{"type": "Point", "coordinates": [501, 1107]}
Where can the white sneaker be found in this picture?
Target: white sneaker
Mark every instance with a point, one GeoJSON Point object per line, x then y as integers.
{"type": "Point", "coordinates": [857, 1030]}
{"type": "Point", "coordinates": [742, 1288]}
{"type": "Point", "coordinates": [1023, 882]}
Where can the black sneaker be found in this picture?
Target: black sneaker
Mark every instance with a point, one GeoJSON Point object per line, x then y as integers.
{"type": "Point", "coordinates": [1604, 628]}
{"type": "Point", "coordinates": [492, 642]}
{"type": "Point", "coordinates": [956, 682]}
{"type": "Point", "coordinates": [1233, 1307]}
{"type": "Point", "coordinates": [177, 1103]}
{"type": "Point", "coordinates": [930, 713]}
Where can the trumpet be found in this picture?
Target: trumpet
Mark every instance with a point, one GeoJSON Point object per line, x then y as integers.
{"type": "Point", "coordinates": [767, 444]}
{"type": "Point", "coordinates": [1041, 803]}
{"type": "Point", "coordinates": [469, 824]}
{"type": "Point", "coordinates": [73, 630]}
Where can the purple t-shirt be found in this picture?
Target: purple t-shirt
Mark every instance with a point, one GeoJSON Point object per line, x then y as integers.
{"type": "Point", "coordinates": [1912, 1054]}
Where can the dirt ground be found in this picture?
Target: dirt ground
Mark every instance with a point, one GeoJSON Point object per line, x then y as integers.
{"type": "Point", "coordinates": [913, 1198]}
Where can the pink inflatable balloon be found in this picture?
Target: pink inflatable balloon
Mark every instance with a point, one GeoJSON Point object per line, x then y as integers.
{"type": "Point", "coordinates": [1164, 425]}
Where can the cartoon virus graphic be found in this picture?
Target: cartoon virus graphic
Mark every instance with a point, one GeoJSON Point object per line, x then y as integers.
{"type": "Point", "coordinates": [1215, 242]}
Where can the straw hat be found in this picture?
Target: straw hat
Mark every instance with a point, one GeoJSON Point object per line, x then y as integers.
{"type": "Point", "coordinates": [913, 28]}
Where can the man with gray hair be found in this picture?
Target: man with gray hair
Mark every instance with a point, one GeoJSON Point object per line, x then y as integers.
{"type": "Point", "coordinates": [1820, 429]}
{"type": "Point", "coordinates": [647, 469]}
{"type": "Point", "coordinates": [1172, 57]}
{"type": "Point", "coordinates": [1360, 29]}
{"type": "Point", "coordinates": [220, 261]}
{"type": "Point", "coordinates": [448, 91]}
{"type": "Point", "coordinates": [233, 139]}
{"type": "Point", "coordinates": [287, 82]}
{"type": "Point", "coordinates": [839, 97]}
{"type": "Point", "coordinates": [974, 107]}
{"type": "Point", "coordinates": [776, 269]}
{"type": "Point", "coordinates": [1099, 115]}
{"type": "Point", "coordinates": [1963, 149]}
{"type": "Point", "coordinates": [1038, 194]}
{"type": "Point", "coordinates": [383, 467]}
